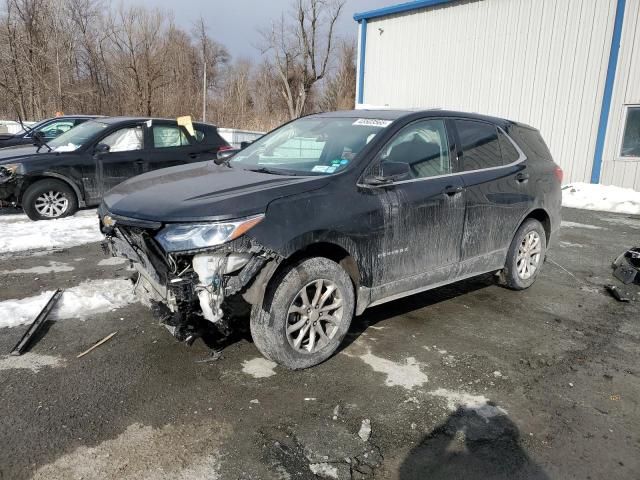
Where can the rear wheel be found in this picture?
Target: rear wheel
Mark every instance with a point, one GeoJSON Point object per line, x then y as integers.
{"type": "Point", "coordinates": [525, 255]}
{"type": "Point", "coordinates": [306, 314]}
{"type": "Point", "coordinates": [49, 199]}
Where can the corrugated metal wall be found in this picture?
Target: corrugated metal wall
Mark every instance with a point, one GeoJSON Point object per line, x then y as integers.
{"type": "Point", "coordinates": [626, 91]}
{"type": "Point", "coordinates": [542, 62]}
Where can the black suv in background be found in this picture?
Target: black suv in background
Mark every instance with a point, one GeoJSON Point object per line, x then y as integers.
{"type": "Point", "coordinates": [77, 168]}
{"type": "Point", "coordinates": [331, 214]}
{"type": "Point", "coordinates": [49, 128]}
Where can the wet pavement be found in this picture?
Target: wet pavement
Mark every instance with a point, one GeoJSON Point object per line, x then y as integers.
{"type": "Point", "coordinates": [466, 381]}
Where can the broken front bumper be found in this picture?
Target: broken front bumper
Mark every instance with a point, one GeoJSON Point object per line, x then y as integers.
{"type": "Point", "coordinates": [190, 285]}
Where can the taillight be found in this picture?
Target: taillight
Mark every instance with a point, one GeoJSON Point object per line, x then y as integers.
{"type": "Point", "coordinates": [225, 147]}
{"type": "Point", "coordinates": [558, 173]}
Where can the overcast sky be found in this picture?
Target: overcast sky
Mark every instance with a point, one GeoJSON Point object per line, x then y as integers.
{"type": "Point", "coordinates": [235, 23]}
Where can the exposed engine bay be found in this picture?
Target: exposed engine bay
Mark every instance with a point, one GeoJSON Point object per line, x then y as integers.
{"type": "Point", "coordinates": [189, 290]}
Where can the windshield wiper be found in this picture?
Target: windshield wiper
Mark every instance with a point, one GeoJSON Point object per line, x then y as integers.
{"type": "Point", "coordinates": [267, 170]}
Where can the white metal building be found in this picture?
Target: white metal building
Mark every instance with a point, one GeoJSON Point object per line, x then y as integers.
{"type": "Point", "coordinates": [568, 67]}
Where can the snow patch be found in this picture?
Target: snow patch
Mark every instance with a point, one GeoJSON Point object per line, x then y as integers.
{"type": "Point", "coordinates": [259, 367]}
{"type": "Point", "coordinates": [21, 234]}
{"type": "Point", "coordinates": [567, 224]}
{"type": "Point", "coordinates": [29, 361]}
{"type": "Point", "coordinates": [606, 198]}
{"type": "Point", "coordinates": [406, 375]}
{"type": "Point", "coordinates": [112, 261]}
{"type": "Point", "coordinates": [42, 269]}
{"type": "Point", "coordinates": [324, 470]}
{"type": "Point", "coordinates": [477, 403]}
{"type": "Point", "coordinates": [81, 301]}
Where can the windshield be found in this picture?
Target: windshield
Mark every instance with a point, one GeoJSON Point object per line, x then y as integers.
{"type": "Point", "coordinates": [77, 137]}
{"type": "Point", "coordinates": [30, 128]}
{"type": "Point", "coordinates": [310, 146]}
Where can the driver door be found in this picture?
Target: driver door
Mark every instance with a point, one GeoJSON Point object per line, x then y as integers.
{"type": "Point", "coordinates": [420, 220]}
{"type": "Point", "coordinates": [125, 159]}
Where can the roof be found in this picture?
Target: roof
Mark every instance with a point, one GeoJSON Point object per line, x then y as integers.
{"type": "Point", "coordinates": [399, 8]}
{"type": "Point", "coordinates": [113, 120]}
{"type": "Point", "coordinates": [395, 114]}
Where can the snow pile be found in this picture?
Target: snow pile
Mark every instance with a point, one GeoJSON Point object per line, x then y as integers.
{"type": "Point", "coordinates": [20, 234]}
{"type": "Point", "coordinates": [606, 198]}
{"type": "Point", "coordinates": [88, 298]}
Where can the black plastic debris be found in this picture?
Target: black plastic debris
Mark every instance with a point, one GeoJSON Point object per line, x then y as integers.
{"type": "Point", "coordinates": [617, 294]}
{"type": "Point", "coordinates": [626, 268]}
{"type": "Point", "coordinates": [37, 323]}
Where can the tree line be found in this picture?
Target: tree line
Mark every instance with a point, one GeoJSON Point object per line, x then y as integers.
{"type": "Point", "coordinates": [88, 56]}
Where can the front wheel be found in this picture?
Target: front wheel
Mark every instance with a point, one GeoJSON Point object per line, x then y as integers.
{"type": "Point", "coordinates": [49, 199]}
{"type": "Point", "coordinates": [305, 315]}
{"type": "Point", "coordinates": [525, 255]}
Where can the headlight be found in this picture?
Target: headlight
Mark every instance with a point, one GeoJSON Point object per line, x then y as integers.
{"type": "Point", "coordinates": [192, 236]}
{"type": "Point", "coordinates": [9, 170]}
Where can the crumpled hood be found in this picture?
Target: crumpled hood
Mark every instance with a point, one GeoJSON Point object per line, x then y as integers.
{"type": "Point", "coordinates": [9, 154]}
{"type": "Point", "coordinates": [202, 191]}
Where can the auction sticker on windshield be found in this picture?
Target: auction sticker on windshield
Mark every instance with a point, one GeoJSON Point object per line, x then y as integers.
{"type": "Point", "coordinates": [372, 122]}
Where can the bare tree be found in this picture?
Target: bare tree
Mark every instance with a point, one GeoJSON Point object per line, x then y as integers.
{"type": "Point", "coordinates": [301, 49]}
{"type": "Point", "coordinates": [340, 88]}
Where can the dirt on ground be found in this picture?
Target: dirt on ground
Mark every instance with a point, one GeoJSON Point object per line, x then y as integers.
{"type": "Point", "coordinates": [466, 381]}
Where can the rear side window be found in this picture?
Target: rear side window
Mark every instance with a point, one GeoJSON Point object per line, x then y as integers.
{"type": "Point", "coordinates": [480, 145]}
{"type": "Point", "coordinates": [166, 136]}
{"type": "Point", "coordinates": [509, 153]}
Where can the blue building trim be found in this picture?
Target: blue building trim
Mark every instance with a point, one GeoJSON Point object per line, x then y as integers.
{"type": "Point", "coordinates": [608, 91]}
{"type": "Point", "coordinates": [401, 7]}
{"type": "Point", "coordinates": [363, 46]}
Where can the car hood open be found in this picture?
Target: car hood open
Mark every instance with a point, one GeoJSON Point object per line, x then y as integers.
{"type": "Point", "coordinates": [202, 191]}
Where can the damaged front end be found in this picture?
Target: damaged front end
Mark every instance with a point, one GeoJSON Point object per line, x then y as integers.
{"type": "Point", "coordinates": [191, 275]}
{"type": "Point", "coordinates": [10, 182]}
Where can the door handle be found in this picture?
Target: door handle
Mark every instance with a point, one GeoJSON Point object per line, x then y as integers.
{"type": "Point", "coordinates": [451, 190]}
{"type": "Point", "coordinates": [139, 161]}
{"type": "Point", "coordinates": [522, 177]}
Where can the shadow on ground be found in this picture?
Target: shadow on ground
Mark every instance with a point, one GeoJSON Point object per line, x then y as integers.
{"type": "Point", "coordinates": [471, 443]}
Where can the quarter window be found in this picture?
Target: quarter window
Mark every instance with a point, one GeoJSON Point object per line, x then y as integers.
{"type": "Point", "coordinates": [631, 136]}
{"type": "Point", "coordinates": [480, 145]}
{"type": "Point", "coordinates": [509, 152]}
{"type": "Point", "coordinates": [166, 136]}
{"type": "Point", "coordinates": [424, 146]}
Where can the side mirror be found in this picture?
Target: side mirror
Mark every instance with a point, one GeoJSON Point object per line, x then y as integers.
{"type": "Point", "coordinates": [38, 139]}
{"type": "Point", "coordinates": [101, 148]}
{"type": "Point", "coordinates": [223, 155]}
{"type": "Point", "coordinates": [389, 172]}
{"type": "Point", "coordinates": [244, 145]}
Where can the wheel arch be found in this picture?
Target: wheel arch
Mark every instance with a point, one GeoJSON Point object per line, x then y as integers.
{"type": "Point", "coordinates": [543, 217]}
{"type": "Point", "coordinates": [333, 251]}
{"type": "Point", "coordinates": [30, 180]}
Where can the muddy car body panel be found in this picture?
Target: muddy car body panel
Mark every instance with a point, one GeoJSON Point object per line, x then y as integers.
{"type": "Point", "coordinates": [450, 218]}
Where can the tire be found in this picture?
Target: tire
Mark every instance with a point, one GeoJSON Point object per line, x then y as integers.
{"type": "Point", "coordinates": [269, 320]}
{"type": "Point", "coordinates": [62, 197]}
{"type": "Point", "coordinates": [513, 275]}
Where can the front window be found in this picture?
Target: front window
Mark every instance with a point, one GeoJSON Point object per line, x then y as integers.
{"type": "Point", "coordinates": [77, 137]}
{"type": "Point", "coordinates": [56, 129]}
{"type": "Point", "coordinates": [310, 146]}
{"type": "Point", "coordinates": [124, 140]}
{"type": "Point", "coordinates": [631, 136]}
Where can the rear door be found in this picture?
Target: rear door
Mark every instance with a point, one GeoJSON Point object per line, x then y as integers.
{"type": "Point", "coordinates": [421, 218]}
{"type": "Point", "coordinates": [126, 157]}
{"type": "Point", "coordinates": [171, 145]}
{"type": "Point", "coordinates": [494, 172]}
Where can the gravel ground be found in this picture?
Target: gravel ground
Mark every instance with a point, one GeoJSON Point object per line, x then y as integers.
{"type": "Point", "coordinates": [466, 381]}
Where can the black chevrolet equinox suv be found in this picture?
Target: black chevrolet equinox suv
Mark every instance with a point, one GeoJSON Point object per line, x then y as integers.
{"type": "Point", "coordinates": [333, 213]}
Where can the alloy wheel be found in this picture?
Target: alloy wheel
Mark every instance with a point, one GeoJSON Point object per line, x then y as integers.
{"type": "Point", "coordinates": [314, 316]}
{"type": "Point", "coordinates": [529, 254]}
{"type": "Point", "coordinates": [52, 204]}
